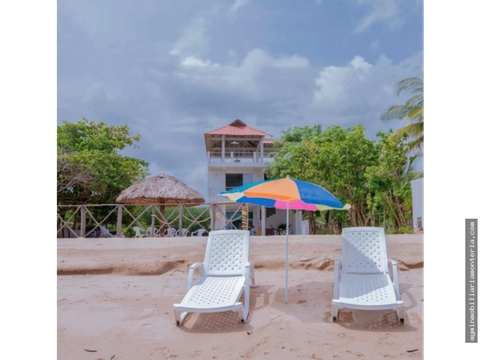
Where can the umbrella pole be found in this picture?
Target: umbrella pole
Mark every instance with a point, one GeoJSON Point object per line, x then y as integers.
{"type": "Point", "coordinates": [286, 257]}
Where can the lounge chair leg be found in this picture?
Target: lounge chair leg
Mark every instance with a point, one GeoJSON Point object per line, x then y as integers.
{"type": "Point", "coordinates": [177, 317]}
{"type": "Point", "coordinates": [401, 315]}
{"type": "Point", "coordinates": [180, 317]}
{"type": "Point", "coordinates": [335, 313]}
{"type": "Point", "coordinates": [241, 314]}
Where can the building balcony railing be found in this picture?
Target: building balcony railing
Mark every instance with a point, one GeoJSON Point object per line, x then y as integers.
{"type": "Point", "coordinates": [238, 157]}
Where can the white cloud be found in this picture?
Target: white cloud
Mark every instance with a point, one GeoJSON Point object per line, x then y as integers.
{"type": "Point", "coordinates": [380, 11]}
{"type": "Point", "coordinates": [361, 89]}
{"type": "Point", "coordinates": [237, 5]}
{"type": "Point", "coordinates": [194, 40]}
{"type": "Point", "coordinates": [258, 58]}
{"type": "Point", "coordinates": [259, 76]}
{"type": "Point", "coordinates": [192, 61]}
{"type": "Point", "coordinates": [291, 62]}
{"type": "Point", "coordinates": [334, 81]}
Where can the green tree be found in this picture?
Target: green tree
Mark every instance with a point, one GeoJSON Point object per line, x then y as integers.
{"type": "Point", "coordinates": [294, 154]}
{"type": "Point", "coordinates": [411, 111]}
{"type": "Point", "coordinates": [335, 159]}
{"type": "Point", "coordinates": [90, 168]}
{"type": "Point", "coordinates": [373, 176]}
{"type": "Point", "coordinates": [388, 182]}
{"type": "Point", "coordinates": [344, 156]}
{"type": "Point", "coordinates": [294, 158]}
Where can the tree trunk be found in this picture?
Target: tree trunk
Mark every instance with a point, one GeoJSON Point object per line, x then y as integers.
{"type": "Point", "coordinates": [311, 223]}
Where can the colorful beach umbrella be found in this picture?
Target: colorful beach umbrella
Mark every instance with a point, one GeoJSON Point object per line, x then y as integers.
{"type": "Point", "coordinates": [288, 194]}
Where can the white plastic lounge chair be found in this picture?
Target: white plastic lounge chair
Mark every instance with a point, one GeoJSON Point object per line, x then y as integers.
{"type": "Point", "coordinates": [365, 279]}
{"type": "Point", "coordinates": [225, 275]}
{"type": "Point", "coordinates": [148, 232]}
{"type": "Point", "coordinates": [170, 232]}
{"type": "Point", "coordinates": [183, 233]}
{"type": "Point", "coordinates": [139, 232]}
{"type": "Point", "coordinates": [198, 232]}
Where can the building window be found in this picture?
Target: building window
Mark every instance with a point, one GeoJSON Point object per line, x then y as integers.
{"type": "Point", "coordinates": [234, 180]}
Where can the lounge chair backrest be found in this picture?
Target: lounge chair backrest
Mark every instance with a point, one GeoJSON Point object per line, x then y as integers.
{"type": "Point", "coordinates": [364, 250]}
{"type": "Point", "coordinates": [182, 233]}
{"type": "Point", "coordinates": [138, 231]}
{"type": "Point", "coordinates": [170, 232]}
{"type": "Point", "coordinates": [198, 232]}
{"type": "Point", "coordinates": [227, 252]}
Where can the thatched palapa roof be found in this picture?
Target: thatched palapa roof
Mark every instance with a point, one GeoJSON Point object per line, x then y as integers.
{"type": "Point", "coordinates": [160, 189]}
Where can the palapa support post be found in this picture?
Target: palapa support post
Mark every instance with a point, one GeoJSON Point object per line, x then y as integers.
{"type": "Point", "coordinates": [152, 227]}
{"type": "Point", "coordinates": [162, 219]}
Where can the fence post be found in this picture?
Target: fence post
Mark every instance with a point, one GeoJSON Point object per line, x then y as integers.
{"type": "Point", "coordinates": [82, 221]}
{"type": "Point", "coordinates": [119, 221]}
{"type": "Point", "coordinates": [180, 218]}
{"type": "Point", "coordinates": [214, 215]}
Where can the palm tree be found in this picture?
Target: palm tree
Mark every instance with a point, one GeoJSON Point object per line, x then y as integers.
{"type": "Point", "coordinates": [411, 111]}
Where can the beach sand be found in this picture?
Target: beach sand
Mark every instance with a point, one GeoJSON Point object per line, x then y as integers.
{"type": "Point", "coordinates": [115, 296]}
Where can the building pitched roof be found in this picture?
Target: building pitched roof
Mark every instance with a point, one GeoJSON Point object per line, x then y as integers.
{"type": "Point", "coordinates": [160, 189]}
{"type": "Point", "coordinates": [239, 128]}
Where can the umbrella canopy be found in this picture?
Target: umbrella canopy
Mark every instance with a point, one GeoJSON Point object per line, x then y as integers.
{"type": "Point", "coordinates": [160, 189]}
{"type": "Point", "coordinates": [289, 194]}
{"type": "Point", "coordinates": [299, 195]}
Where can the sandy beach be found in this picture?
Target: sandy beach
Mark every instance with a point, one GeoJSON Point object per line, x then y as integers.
{"type": "Point", "coordinates": [115, 296]}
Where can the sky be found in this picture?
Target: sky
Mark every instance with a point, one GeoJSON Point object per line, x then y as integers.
{"type": "Point", "coordinates": [173, 70]}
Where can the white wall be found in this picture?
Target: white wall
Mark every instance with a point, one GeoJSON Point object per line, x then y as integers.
{"type": "Point", "coordinates": [216, 180]}
{"type": "Point", "coordinates": [417, 203]}
{"type": "Point", "coordinates": [216, 183]}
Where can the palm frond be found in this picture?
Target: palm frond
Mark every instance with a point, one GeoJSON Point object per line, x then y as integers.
{"type": "Point", "coordinates": [395, 112]}
{"type": "Point", "coordinates": [411, 111]}
{"type": "Point", "coordinates": [416, 144]}
{"type": "Point", "coordinates": [413, 85]}
{"type": "Point", "coordinates": [411, 130]}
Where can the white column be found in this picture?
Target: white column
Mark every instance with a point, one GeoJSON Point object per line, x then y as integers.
{"type": "Point", "coordinates": [256, 218]}
{"type": "Point", "coordinates": [298, 222]}
{"type": "Point", "coordinates": [261, 150]}
{"type": "Point", "coordinates": [264, 215]}
{"type": "Point", "coordinates": [223, 148]}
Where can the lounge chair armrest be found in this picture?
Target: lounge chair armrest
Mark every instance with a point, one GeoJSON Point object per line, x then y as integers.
{"type": "Point", "coordinates": [393, 271]}
{"type": "Point", "coordinates": [191, 272]}
{"type": "Point", "coordinates": [250, 274]}
{"type": "Point", "coordinates": [336, 278]}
